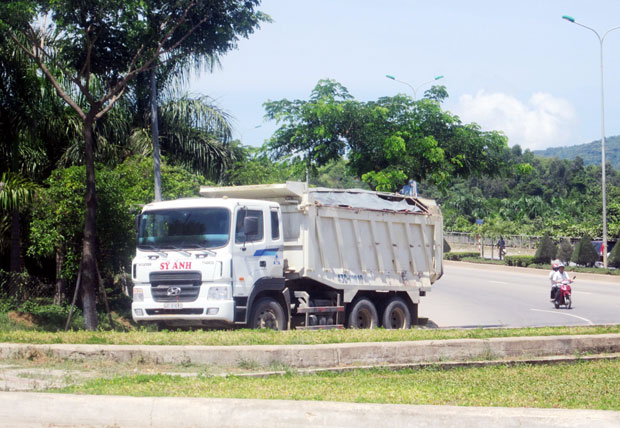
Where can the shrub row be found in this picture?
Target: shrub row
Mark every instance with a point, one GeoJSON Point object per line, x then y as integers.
{"type": "Point", "coordinates": [521, 261]}
{"type": "Point", "coordinates": [458, 256]}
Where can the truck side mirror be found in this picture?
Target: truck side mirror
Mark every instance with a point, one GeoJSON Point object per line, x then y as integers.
{"type": "Point", "coordinates": [137, 226]}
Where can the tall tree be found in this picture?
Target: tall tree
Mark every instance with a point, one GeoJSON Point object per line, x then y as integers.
{"type": "Point", "coordinates": [387, 141]}
{"type": "Point", "coordinates": [114, 41]}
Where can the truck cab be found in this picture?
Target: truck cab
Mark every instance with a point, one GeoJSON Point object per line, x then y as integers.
{"type": "Point", "coordinates": [199, 260]}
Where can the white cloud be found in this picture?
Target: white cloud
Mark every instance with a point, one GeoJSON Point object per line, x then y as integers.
{"type": "Point", "coordinates": [545, 121]}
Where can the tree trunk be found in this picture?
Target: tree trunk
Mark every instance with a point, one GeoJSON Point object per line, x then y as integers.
{"type": "Point", "coordinates": [60, 288]}
{"type": "Point", "coordinates": [16, 257]}
{"type": "Point", "coordinates": [155, 135]}
{"type": "Point", "coordinates": [89, 263]}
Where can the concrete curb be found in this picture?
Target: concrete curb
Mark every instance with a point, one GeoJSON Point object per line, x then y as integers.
{"type": "Point", "coordinates": [45, 410]}
{"type": "Point", "coordinates": [329, 355]}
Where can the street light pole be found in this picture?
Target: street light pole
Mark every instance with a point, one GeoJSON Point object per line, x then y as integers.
{"type": "Point", "coordinates": [603, 178]}
{"type": "Point", "coordinates": [389, 76]}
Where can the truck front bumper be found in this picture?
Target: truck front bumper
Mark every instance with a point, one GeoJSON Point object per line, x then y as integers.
{"type": "Point", "coordinates": [198, 310]}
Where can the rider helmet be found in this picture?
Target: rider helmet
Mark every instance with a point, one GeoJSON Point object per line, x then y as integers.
{"type": "Point", "coordinates": [560, 265]}
{"type": "Point", "coordinates": [555, 266]}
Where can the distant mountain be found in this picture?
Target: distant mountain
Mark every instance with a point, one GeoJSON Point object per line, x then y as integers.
{"type": "Point", "coordinates": [589, 152]}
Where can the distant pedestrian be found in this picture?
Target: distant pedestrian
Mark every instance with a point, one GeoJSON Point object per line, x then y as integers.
{"type": "Point", "coordinates": [501, 247]}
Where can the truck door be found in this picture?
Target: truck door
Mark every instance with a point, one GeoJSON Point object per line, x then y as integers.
{"type": "Point", "coordinates": [249, 249]}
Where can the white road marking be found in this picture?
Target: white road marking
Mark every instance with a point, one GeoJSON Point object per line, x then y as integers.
{"type": "Point", "coordinates": [564, 313]}
{"type": "Point", "coordinates": [499, 282]}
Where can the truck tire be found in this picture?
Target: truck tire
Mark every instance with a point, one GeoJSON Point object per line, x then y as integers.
{"type": "Point", "coordinates": [268, 313]}
{"type": "Point", "coordinates": [396, 315]}
{"type": "Point", "coordinates": [363, 315]}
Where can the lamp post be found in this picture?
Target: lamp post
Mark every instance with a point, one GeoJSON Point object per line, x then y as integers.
{"type": "Point", "coordinates": [601, 39]}
{"type": "Point", "coordinates": [389, 76]}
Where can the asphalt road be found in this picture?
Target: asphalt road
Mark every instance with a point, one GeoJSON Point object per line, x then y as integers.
{"type": "Point", "coordinates": [470, 295]}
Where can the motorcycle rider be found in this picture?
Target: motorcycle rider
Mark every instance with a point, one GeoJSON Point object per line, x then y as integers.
{"type": "Point", "coordinates": [554, 269]}
{"type": "Point", "coordinates": [558, 277]}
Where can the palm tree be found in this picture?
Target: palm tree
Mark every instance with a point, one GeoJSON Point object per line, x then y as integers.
{"type": "Point", "coordinates": [16, 192]}
{"type": "Point", "coordinates": [21, 148]}
{"type": "Point", "coordinates": [206, 148]}
{"type": "Point", "coordinates": [193, 132]}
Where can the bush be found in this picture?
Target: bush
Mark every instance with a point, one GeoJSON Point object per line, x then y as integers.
{"type": "Point", "coordinates": [565, 251]}
{"type": "Point", "coordinates": [584, 253]}
{"type": "Point", "coordinates": [482, 261]}
{"type": "Point", "coordinates": [614, 257]}
{"type": "Point", "coordinates": [522, 261]}
{"type": "Point", "coordinates": [47, 316]}
{"type": "Point", "coordinates": [546, 251]}
{"type": "Point", "coordinates": [460, 255]}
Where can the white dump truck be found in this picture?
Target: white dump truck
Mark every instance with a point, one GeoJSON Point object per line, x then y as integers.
{"type": "Point", "coordinates": [286, 256]}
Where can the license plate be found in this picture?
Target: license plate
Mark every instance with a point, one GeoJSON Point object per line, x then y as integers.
{"type": "Point", "coordinates": [175, 305]}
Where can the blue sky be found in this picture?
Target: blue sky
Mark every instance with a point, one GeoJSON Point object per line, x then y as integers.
{"type": "Point", "coordinates": [513, 66]}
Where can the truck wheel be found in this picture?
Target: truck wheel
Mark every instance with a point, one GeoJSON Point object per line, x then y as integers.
{"type": "Point", "coordinates": [267, 313]}
{"type": "Point", "coordinates": [363, 315]}
{"type": "Point", "coordinates": [396, 315]}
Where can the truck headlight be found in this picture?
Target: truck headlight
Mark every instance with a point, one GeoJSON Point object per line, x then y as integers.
{"type": "Point", "coordinates": [138, 295]}
{"type": "Point", "coordinates": [217, 293]}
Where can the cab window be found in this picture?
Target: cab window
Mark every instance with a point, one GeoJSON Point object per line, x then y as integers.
{"type": "Point", "coordinates": [275, 225]}
{"type": "Point", "coordinates": [252, 216]}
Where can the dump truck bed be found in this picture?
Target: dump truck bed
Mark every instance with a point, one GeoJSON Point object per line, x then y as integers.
{"type": "Point", "coordinates": [353, 239]}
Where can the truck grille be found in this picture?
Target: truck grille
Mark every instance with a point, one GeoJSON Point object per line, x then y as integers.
{"type": "Point", "coordinates": [175, 286]}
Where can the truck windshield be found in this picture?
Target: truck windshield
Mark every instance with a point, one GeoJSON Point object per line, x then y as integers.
{"type": "Point", "coordinates": [184, 228]}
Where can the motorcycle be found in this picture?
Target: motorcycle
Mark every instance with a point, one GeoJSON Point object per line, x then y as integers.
{"type": "Point", "coordinates": [563, 295]}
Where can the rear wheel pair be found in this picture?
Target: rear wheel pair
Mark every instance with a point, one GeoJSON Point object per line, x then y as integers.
{"type": "Point", "coordinates": [268, 313]}
{"type": "Point", "coordinates": [395, 316]}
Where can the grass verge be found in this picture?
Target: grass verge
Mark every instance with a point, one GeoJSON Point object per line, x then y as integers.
{"type": "Point", "coordinates": [580, 385]}
{"type": "Point", "coordinates": [293, 337]}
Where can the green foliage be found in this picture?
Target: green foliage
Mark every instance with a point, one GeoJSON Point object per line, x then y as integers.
{"type": "Point", "coordinates": [253, 166]}
{"type": "Point", "coordinates": [136, 179]}
{"type": "Point", "coordinates": [565, 251]}
{"type": "Point", "coordinates": [460, 255]}
{"type": "Point", "coordinates": [387, 141]}
{"type": "Point", "coordinates": [336, 175]}
{"type": "Point", "coordinates": [584, 253]}
{"type": "Point", "coordinates": [58, 218]}
{"type": "Point", "coordinates": [481, 260]}
{"type": "Point", "coordinates": [546, 251]}
{"type": "Point", "coordinates": [589, 152]}
{"type": "Point", "coordinates": [52, 317]}
{"type": "Point", "coordinates": [15, 191]}
{"type": "Point", "coordinates": [557, 197]}
{"type": "Point", "coordinates": [520, 261]}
